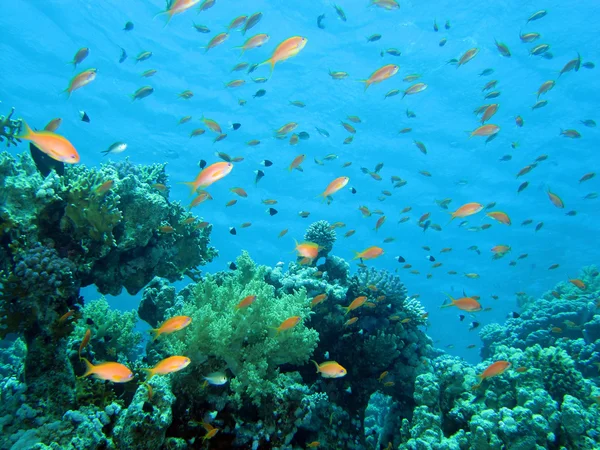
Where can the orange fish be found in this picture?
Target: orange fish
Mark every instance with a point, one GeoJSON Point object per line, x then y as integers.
{"type": "Point", "coordinates": [500, 217]}
{"type": "Point", "coordinates": [335, 186]}
{"type": "Point", "coordinates": [485, 130]}
{"type": "Point", "coordinates": [288, 323]}
{"type": "Point", "coordinates": [356, 303]}
{"type": "Point", "coordinates": [178, 7]}
{"type": "Point", "coordinates": [200, 198]}
{"type": "Point", "coordinates": [468, 209]}
{"type": "Point", "coordinates": [209, 175]}
{"type": "Point", "coordinates": [379, 222]}
{"type": "Point", "coordinates": [307, 249]}
{"type": "Point", "coordinates": [556, 200]}
{"type": "Point", "coordinates": [168, 365]}
{"type": "Point", "coordinates": [467, 56]}
{"type": "Point", "coordinates": [52, 144]}
{"type": "Point", "coordinates": [369, 253]}
{"type": "Point", "coordinates": [85, 341]}
{"type": "Point", "coordinates": [494, 369]}
{"type": "Point", "coordinates": [212, 125]}
{"type": "Point", "coordinates": [104, 187]}
{"type": "Point", "coordinates": [239, 191]}
{"type": "Point", "coordinates": [330, 369]}
{"type": "Point", "coordinates": [580, 284]}
{"type": "Point", "coordinates": [282, 233]}
{"type": "Point", "coordinates": [53, 125]}
{"type": "Point", "coordinates": [380, 75]}
{"type": "Point", "coordinates": [318, 299]}
{"type": "Point", "coordinates": [245, 302]}
{"type": "Point", "coordinates": [287, 49]}
{"type": "Point", "coordinates": [350, 321]}
{"type": "Point", "coordinates": [109, 371]}
{"type": "Point", "coordinates": [489, 112]}
{"type": "Point", "coordinates": [468, 304]}
{"type": "Point", "coordinates": [62, 319]}
{"type": "Point", "coordinates": [216, 41]}
{"type": "Point", "coordinates": [254, 42]}
{"type": "Point", "coordinates": [80, 80]}
{"type": "Point", "coordinates": [167, 229]}
{"type": "Point", "coordinates": [171, 325]}
{"type": "Point", "coordinates": [501, 249]}
{"type": "Point", "coordinates": [296, 162]}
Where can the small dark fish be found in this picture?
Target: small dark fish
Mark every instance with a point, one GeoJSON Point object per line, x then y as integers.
{"type": "Point", "coordinates": [252, 21]}
{"type": "Point", "coordinates": [539, 226]}
{"type": "Point", "coordinates": [435, 26]}
{"type": "Point", "coordinates": [461, 317]}
{"type": "Point", "coordinates": [128, 26]}
{"type": "Point", "coordinates": [252, 68]}
{"type": "Point", "coordinates": [232, 230]}
{"type": "Point", "coordinates": [202, 164]}
{"type": "Point", "coordinates": [340, 12]}
{"type": "Point", "coordinates": [89, 321]}
{"type": "Point", "coordinates": [272, 211]}
{"type": "Point", "coordinates": [400, 259]}
{"type": "Point", "coordinates": [410, 114]}
{"type": "Point", "coordinates": [442, 42]}
{"type": "Point", "coordinates": [236, 126]}
{"type": "Point", "coordinates": [304, 135]}
{"type": "Point", "coordinates": [123, 56]}
{"type": "Point", "coordinates": [588, 65]}
{"type": "Point", "coordinates": [232, 266]}
{"type": "Point", "coordinates": [201, 28]}
{"type": "Point", "coordinates": [378, 167]}
{"type": "Point", "coordinates": [513, 315]}
{"type": "Point", "coordinates": [486, 72]}
{"type": "Point", "coordinates": [547, 55]}
{"type": "Point", "coordinates": [426, 225]}
{"type": "Point", "coordinates": [266, 163]}
{"type": "Point", "coordinates": [523, 186]}
{"type": "Point", "coordinates": [374, 38]}
{"type": "Point", "coordinates": [473, 325]}
{"type": "Point", "coordinates": [430, 258]}
{"type": "Point", "coordinates": [447, 25]}
{"type": "Point", "coordinates": [537, 15]}
{"type": "Point", "coordinates": [259, 93]}
{"type": "Point", "coordinates": [506, 158]}
{"type": "Point", "coordinates": [353, 190]}
{"type": "Point", "coordinates": [320, 23]}
{"type": "Point", "coordinates": [589, 123]}
{"type": "Point", "coordinates": [259, 174]}
{"type": "Point", "coordinates": [44, 163]}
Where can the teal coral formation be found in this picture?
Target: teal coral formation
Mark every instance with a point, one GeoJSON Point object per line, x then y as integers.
{"type": "Point", "coordinates": [323, 234]}
{"type": "Point", "coordinates": [9, 129]}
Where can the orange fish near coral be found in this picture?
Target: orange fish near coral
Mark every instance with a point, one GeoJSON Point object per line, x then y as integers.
{"type": "Point", "coordinates": [468, 209]}
{"type": "Point", "coordinates": [330, 369]}
{"type": "Point", "coordinates": [381, 74]}
{"type": "Point", "coordinates": [287, 49]}
{"type": "Point", "coordinates": [288, 324]}
{"type": "Point", "coordinates": [171, 325]}
{"type": "Point", "coordinates": [369, 253]}
{"type": "Point", "coordinates": [85, 341]}
{"type": "Point", "coordinates": [493, 370]}
{"type": "Point", "coordinates": [577, 282]}
{"type": "Point", "coordinates": [356, 303]}
{"type": "Point", "coordinates": [80, 80]}
{"type": "Point", "coordinates": [54, 145]}
{"type": "Point", "coordinates": [335, 186]}
{"type": "Point", "coordinates": [245, 302]}
{"type": "Point", "coordinates": [109, 371]}
{"type": "Point", "coordinates": [168, 365]}
{"type": "Point", "coordinates": [307, 249]}
{"type": "Point", "coordinates": [468, 304]}
{"type": "Point", "coordinates": [209, 175]}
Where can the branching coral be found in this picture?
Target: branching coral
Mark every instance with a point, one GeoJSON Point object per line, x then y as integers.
{"type": "Point", "coordinates": [9, 129]}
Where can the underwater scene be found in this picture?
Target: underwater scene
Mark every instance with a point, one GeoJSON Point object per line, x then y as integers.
{"type": "Point", "coordinates": [368, 224]}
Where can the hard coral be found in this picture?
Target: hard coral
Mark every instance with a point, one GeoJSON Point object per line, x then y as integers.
{"type": "Point", "coordinates": [321, 233]}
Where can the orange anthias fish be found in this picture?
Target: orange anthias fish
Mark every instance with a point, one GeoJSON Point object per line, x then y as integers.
{"type": "Point", "coordinates": [171, 325]}
{"type": "Point", "coordinates": [318, 299]}
{"type": "Point", "coordinates": [168, 365]}
{"type": "Point", "coordinates": [55, 146]}
{"type": "Point", "coordinates": [500, 217]}
{"type": "Point", "coordinates": [53, 125]}
{"type": "Point", "coordinates": [381, 74]}
{"type": "Point", "coordinates": [296, 162]}
{"type": "Point", "coordinates": [80, 80]}
{"type": "Point", "coordinates": [245, 302]}
{"type": "Point", "coordinates": [288, 323]}
{"type": "Point", "coordinates": [209, 175]}
{"type": "Point", "coordinates": [109, 371]}
{"type": "Point", "coordinates": [466, 210]}
{"type": "Point", "coordinates": [178, 7]}
{"type": "Point", "coordinates": [467, 56]}
{"type": "Point", "coordinates": [287, 49]}
{"type": "Point", "coordinates": [580, 284]}
{"type": "Point", "coordinates": [485, 130]}
{"type": "Point", "coordinates": [330, 369]}
{"type": "Point", "coordinates": [468, 304]}
{"type": "Point", "coordinates": [335, 186]}
{"type": "Point", "coordinates": [356, 303]}
{"type": "Point", "coordinates": [494, 369]}
{"type": "Point", "coordinates": [307, 249]}
{"type": "Point", "coordinates": [216, 41]}
{"type": "Point", "coordinates": [254, 42]}
{"type": "Point", "coordinates": [369, 253]}
{"type": "Point", "coordinates": [85, 341]}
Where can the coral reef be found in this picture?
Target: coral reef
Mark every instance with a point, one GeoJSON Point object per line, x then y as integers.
{"type": "Point", "coordinates": [9, 129]}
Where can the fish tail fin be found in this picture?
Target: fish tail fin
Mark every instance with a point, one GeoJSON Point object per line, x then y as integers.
{"type": "Point", "coordinates": [149, 373]}
{"type": "Point", "coordinates": [447, 305]}
{"type": "Point", "coordinates": [367, 83]}
{"type": "Point", "coordinates": [316, 364]}
{"type": "Point", "coordinates": [191, 185]}
{"type": "Point", "coordinates": [26, 132]}
{"type": "Point", "coordinates": [89, 368]}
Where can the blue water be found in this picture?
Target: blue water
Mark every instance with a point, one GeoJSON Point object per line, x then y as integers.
{"type": "Point", "coordinates": [39, 37]}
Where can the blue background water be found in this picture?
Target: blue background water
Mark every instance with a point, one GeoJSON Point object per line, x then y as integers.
{"type": "Point", "coordinates": [39, 37]}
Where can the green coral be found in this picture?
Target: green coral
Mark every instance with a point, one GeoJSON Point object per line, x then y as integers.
{"type": "Point", "coordinates": [244, 340]}
{"type": "Point", "coordinates": [9, 129]}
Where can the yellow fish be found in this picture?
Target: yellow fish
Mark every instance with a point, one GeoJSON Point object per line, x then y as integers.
{"type": "Point", "coordinates": [288, 48]}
